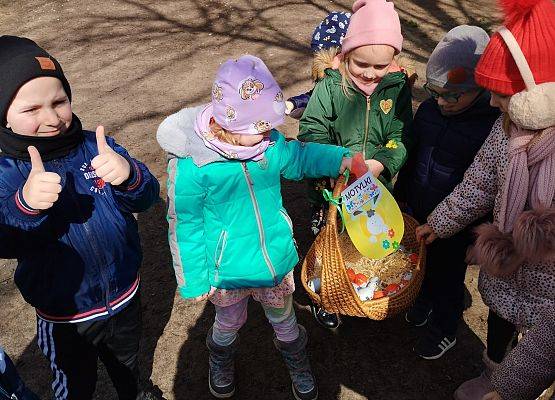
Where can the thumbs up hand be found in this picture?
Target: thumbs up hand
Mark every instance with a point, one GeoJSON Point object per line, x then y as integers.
{"type": "Point", "coordinates": [109, 165]}
{"type": "Point", "coordinates": [42, 188]}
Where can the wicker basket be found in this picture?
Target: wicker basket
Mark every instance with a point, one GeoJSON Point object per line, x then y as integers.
{"type": "Point", "coordinates": [337, 295]}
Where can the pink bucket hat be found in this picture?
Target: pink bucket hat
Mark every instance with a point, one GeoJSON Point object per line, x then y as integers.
{"type": "Point", "coordinates": [246, 98]}
{"type": "Point", "coordinates": [373, 22]}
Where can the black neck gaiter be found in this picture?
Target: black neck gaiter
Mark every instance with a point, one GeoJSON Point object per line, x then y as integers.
{"type": "Point", "coordinates": [49, 147]}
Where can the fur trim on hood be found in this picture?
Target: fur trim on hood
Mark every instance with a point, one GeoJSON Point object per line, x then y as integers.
{"type": "Point", "coordinates": [176, 135]}
{"type": "Point", "coordinates": [325, 59]}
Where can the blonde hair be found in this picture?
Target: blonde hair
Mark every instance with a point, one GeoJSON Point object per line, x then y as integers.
{"type": "Point", "coordinates": [402, 62]}
{"type": "Point", "coordinates": [222, 134]}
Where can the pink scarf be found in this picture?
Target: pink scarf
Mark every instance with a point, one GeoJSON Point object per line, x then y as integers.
{"type": "Point", "coordinates": [522, 236]}
{"type": "Point", "coordinates": [227, 150]}
{"type": "Point", "coordinates": [530, 174]}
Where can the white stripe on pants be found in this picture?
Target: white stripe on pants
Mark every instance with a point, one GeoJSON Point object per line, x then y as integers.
{"type": "Point", "coordinates": [46, 344]}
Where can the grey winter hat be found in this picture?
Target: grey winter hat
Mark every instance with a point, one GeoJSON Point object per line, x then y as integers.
{"type": "Point", "coordinates": [452, 63]}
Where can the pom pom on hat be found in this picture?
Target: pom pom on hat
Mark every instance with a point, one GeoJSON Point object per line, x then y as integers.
{"type": "Point", "coordinates": [514, 9]}
{"type": "Point", "coordinates": [532, 23]}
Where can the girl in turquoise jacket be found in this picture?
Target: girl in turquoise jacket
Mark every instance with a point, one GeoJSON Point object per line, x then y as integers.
{"type": "Point", "coordinates": [229, 234]}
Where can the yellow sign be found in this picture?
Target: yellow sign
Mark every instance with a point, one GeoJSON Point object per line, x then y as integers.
{"type": "Point", "coordinates": [372, 217]}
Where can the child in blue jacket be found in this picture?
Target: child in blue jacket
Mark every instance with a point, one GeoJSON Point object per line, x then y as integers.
{"type": "Point", "coordinates": [68, 195]}
{"type": "Point", "coordinates": [11, 385]}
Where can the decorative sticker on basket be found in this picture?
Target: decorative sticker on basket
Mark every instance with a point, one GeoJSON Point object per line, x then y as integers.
{"type": "Point", "coordinates": [372, 217]}
{"type": "Point", "coordinates": [363, 190]}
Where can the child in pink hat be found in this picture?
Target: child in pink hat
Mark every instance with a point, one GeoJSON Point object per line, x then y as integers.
{"type": "Point", "coordinates": [230, 237]}
{"type": "Point", "coordinates": [363, 102]}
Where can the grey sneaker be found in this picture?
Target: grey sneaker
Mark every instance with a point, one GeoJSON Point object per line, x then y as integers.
{"type": "Point", "coordinates": [221, 380]}
{"type": "Point", "coordinates": [294, 354]}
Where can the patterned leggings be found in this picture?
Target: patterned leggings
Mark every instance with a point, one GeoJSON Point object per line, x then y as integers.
{"type": "Point", "coordinates": [230, 319]}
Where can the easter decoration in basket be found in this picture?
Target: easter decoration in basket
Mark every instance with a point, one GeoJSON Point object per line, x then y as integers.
{"type": "Point", "coordinates": [372, 254]}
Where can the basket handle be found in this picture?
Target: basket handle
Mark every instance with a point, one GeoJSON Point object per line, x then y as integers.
{"type": "Point", "coordinates": [332, 212]}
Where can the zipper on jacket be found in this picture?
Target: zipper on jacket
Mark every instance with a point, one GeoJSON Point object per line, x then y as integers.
{"type": "Point", "coordinates": [366, 127]}
{"type": "Point", "coordinates": [250, 185]}
{"type": "Point", "coordinates": [290, 223]}
{"type": "Point", "coordinates": [287, 219]}
{"type": "Point", "coordinates": [91, 239]}
{"type": "Point", "coordinates": [218, 257]}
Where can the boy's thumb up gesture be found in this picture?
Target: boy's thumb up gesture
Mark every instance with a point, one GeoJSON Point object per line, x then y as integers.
{"type": "Point", "coordinates": [109, 165]}
{"type": "Point", "coordinates": [42, 188]}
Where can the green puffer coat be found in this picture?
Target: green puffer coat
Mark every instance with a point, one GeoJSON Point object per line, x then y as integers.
{"type": "Point", "coordinates": [377, 125]}
{"type": "Point", "coordinates": [227, 224]}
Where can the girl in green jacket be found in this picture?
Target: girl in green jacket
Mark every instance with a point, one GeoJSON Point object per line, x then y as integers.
{"type": "Point", "coordinates": [229, 234]}
{"type": "Point", "coordinates": [363, 103]}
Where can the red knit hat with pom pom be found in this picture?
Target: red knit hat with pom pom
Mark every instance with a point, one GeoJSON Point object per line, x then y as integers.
{"type": "Point", "coordinates": [532, 23]}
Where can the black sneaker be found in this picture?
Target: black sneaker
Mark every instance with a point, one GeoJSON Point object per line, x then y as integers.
{"type": "Point", "coordinates": [433, 344]}
{"type": "Point", "coordinates": [317, 219]}
{"type": "Point", "coordinates": [419, 313]}
{"type": "Point", "coordinates": [324, 318]}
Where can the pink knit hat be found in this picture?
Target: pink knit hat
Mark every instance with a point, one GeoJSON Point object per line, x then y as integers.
{"type": "Point", "coordinates": [373, 22]}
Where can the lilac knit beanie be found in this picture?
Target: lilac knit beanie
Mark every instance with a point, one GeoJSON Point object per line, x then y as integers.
{"type": "Point", "coordinates": [246, 99]}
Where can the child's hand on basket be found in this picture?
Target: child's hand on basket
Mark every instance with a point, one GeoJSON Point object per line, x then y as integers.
{"type": "Point", "coordinates": [204, 296]}
{"type": "Point", "coordinates": [425, 232]}
{"type": "Point", "coordinates": [375, 167]}
{"type": "Point", "coordinates": [345, 164]}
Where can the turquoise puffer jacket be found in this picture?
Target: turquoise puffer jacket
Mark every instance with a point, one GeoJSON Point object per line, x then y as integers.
{"type": "Point", "coordinates": [227, 224]}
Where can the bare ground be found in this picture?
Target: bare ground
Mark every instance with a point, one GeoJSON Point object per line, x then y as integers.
{"type": "Point", "coordinates": [133, 62]}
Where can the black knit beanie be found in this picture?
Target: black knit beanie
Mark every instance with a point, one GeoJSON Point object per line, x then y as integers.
{"type": "Point", "coordinates": [21, 60]}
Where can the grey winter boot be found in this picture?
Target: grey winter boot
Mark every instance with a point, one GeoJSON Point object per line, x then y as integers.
{"type": "Point", "coordinates": [295, 357]}
{"type": "Point", "coordinates": [221, 367]}
{"type": "Point", "coordinates": [475, 389]}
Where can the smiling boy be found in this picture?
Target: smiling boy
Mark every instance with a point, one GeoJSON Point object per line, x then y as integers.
{"type": "Point", "coordinates": [68, 195]}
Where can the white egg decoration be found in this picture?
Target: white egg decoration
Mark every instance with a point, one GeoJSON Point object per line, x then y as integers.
{"type": "Point", "coordinates": [366, 293]}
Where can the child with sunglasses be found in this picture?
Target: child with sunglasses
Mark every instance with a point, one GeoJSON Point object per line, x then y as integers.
{"type": "Point", "coordinates": [449, 129]}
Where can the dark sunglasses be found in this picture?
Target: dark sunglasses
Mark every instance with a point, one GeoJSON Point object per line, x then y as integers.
{"type": "Point", "coordinates": [449, 97]}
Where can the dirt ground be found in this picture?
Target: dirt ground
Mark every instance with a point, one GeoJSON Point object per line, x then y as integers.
{"type": "Point", "coordinates": [133, 62]}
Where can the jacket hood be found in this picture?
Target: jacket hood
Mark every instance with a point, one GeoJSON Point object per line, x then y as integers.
{"type": "Point", "coordinates": [177, 136]}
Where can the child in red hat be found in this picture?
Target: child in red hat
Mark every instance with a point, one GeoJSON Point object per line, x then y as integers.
{"type": "Point", "coordinates": [514, 175]}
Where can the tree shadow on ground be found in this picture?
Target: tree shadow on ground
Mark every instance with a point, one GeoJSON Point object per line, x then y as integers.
{"type": "Point", "coordinates": [170, 50]}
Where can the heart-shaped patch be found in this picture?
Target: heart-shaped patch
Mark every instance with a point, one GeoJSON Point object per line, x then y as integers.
{"type": "Point", "coordinates": [386, 105]}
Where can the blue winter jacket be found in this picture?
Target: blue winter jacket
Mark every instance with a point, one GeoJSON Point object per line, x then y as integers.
{"type": "Point", "coordinates": [444, 148]}
{"type": "Point", "coordinates": [78, 260]}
